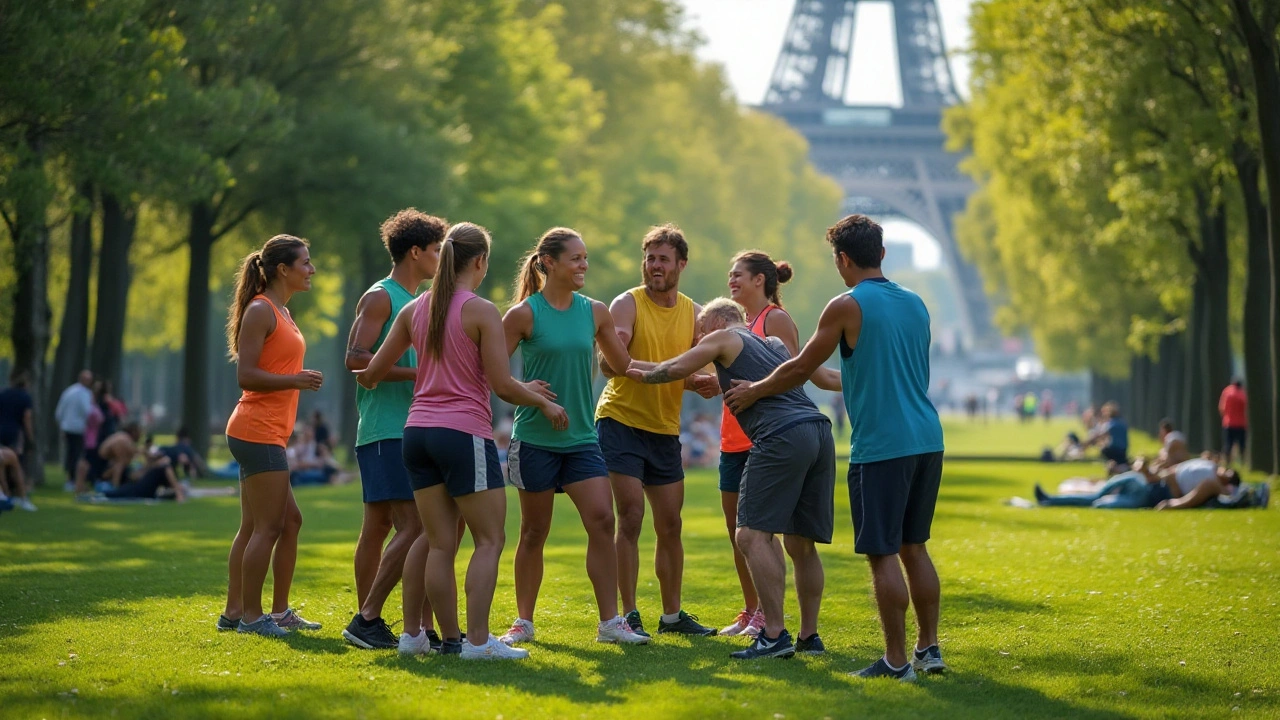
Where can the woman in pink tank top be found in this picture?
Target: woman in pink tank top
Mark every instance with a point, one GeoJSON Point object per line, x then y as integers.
{"type": "Point", "coordinates": [448, 442]}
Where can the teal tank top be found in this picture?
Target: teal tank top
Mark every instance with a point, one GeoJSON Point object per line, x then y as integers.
{"type": "Point", "coordinates": [561, 351]}
{"type": "Point", "coordinates": [384, 409]}
{"type": "Point", "coordinates": [885, 378]}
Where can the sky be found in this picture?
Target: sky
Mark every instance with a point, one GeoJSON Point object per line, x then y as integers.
{"type": "Point", "coordinates": [746, 35]}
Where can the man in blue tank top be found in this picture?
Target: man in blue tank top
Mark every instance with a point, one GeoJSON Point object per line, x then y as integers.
{"type": "Point", "coordinates": [413, 239]}
{"type": "Point", "coordinates": [895, 462]}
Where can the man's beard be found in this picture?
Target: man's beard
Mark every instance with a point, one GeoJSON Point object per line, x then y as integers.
{"type": "Point", "coordinates": [667, 282]}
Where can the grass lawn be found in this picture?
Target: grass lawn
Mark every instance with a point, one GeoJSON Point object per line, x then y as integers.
{"type": "Point", "coordinates": [109, 611]}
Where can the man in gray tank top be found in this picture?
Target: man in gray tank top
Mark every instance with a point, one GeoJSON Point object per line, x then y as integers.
{"type": "Point", "coordinates": [788, 486]}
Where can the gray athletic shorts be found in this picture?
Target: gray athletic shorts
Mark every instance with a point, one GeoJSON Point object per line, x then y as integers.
{"type": "Point", "coordinates": [256, 458]}
{"type": "Point", "coordinates": [789, 484]}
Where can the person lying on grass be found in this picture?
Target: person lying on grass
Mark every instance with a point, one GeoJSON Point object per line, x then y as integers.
{"type": "Point", "coordinates": [1137, 488]}
{"type": "Point", "coordinates": [1201, 481]}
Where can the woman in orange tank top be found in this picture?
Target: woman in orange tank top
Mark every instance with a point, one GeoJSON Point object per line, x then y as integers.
{"type": "Point", "coordinates": [268, 350]}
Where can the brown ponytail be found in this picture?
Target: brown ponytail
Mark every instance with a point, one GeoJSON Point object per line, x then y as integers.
{"type": "Point", "coordinates": [532, 273]}
{"type": "Point", "coordinates": [257, 270]}
{"type": "Point", "coordinates": [464, 243]}
{"type": "Point", "coordinates": [759, 263]}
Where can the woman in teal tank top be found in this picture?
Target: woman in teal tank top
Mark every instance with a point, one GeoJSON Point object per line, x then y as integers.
{"type": "Point", "coordinates": [557, 331]}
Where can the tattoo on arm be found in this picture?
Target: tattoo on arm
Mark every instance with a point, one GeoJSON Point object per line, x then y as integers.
{"type": "Point", "coordinates": [355, 351]}
{"type": "Point", "coordinates": [660, 374]}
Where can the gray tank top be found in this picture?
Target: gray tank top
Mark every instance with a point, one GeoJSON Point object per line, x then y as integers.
{"type": "Point", "coordinates": [775, 413]}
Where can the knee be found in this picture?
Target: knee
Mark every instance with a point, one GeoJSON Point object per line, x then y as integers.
{"type": "Point", "coordinates": [748, 540]}
{"type": "Point", "coordinates": [912, 551]}
{"type": "Point", "coordinates": [534, 534]}
{"type": "Point", "coordinates": [293, 521]}
{"type": "Point", "coordinates": [799, 548]}
{"type": "Point", "coordinates": [630, 521]}
{"type": "Point", "coordinates": [668, 527]}
{"type": "Point", "coordinates": [269, 532]}
{"type": "Point", "coordinates": [490, 542]}
{"type": "Point", "coordinates": [599, 521]}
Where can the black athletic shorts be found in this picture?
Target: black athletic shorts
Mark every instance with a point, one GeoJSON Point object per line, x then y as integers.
{"type": "Point", "coordinates": [463, 462]}
{"type": "Point", "coordinates": [892, 502]}
{"type": "Point", "coordinates": [1234, 436]}
{"type": "Point", "coordinates": [651, 457]}
{"type": "Point", "coordinates": [257, 458]}
{"type": "Point", "coordinates": [731, 466]}
{"type": "Point", "coordinates": [538, 469]}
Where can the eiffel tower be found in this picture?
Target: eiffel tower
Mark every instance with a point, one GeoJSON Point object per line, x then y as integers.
{"type": "Point", "coordinates": [890, 161]}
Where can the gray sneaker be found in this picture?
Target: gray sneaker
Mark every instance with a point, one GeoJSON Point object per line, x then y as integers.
{"type": "Point", "coordinates": [928, 660]}
{"type": "Point", "coordinates": [881, 669]}
{"type": "Point", "coordinates": [265, 626]}
{"type": "Point", "coordinates": [226, 624]}
{"type": "Point", "coordinates": [293, 621]}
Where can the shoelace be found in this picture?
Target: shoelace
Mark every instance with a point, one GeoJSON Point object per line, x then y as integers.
{"type": "Point", "coordinates": [744, 618]}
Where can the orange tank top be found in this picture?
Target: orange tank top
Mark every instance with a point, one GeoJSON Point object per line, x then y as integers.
{"type": "Point", "coordinates": [268, 417]}
{"type": "Point", "coordinates": [732, 438]}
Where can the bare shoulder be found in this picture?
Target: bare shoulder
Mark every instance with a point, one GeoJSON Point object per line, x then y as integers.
{"type": "Point", "coordinates": [520, 312]}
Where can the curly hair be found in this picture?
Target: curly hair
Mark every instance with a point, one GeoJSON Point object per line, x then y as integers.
{"type": "Point", "coordinates": [411, 228]}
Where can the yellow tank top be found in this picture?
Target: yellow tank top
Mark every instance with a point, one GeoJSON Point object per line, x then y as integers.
{"type": "Point", "coordinates": [659, 334]}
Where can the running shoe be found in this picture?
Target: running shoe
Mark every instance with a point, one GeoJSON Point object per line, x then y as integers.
{"type": "Point", "coordinates": [617, 631]}
{"type": "Point", "coordinates": [881, 669]}
{"type": "Point", "coordinates": [763, 647]}
{"type": "Point", "coordinates": [685, 624]}
{"type": "Point", "coordinates": [290, 620]}
{"type": "Point", "coordinates": [811, 645]}
{"type": "Point", "coordinates": [495, 649]}
{"type": "Point", "coordinates": [410, 645]}
{"type": "Point", "coordinates": [521, 632]}
{"type": "Point", "coordinates": [265, 626]}
{"type": "Point", "coordinates": [739, 625]}
{"type": "Point", "coordinates": [1041, 495]}
{"type": "Point", "coordinates": [434, 639]}
{"type": "Point", "coordinates": [633, 622]}
{"type": "Point", "coordinates": [756, 625]}
{"type": "Point", "coordinates": [24, 504]}
{"type": "Point", "coordinates": [928, 660]}
{"type": "Point", "coordinates": [225, 623]}
{"type": "Point", "coordinates": [370, 634]}
{"type": "Point", "coordinates": [451, 647]}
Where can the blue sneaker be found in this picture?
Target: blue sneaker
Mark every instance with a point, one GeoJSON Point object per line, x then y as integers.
{"type": "Point", "coordinates": [265, 626]}
{"type": "Point", "coordinates": [811, 645]}
{"type": "Point", "coordinates": [928, 660]}
{"type": "Point", "coordinates": [881, 669]}
{"type": "Point", "coordinates": [763, 647]}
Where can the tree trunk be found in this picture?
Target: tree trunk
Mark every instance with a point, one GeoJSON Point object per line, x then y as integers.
{"type": "Point", "coordinates": [1215, 341]}
{"type": "Point", "coordinates": [119, 223]}
{"type": "Point", "coordinates": [195, 350]}
{"type": "Point", "coordinates": [1193, 416]}
{"type": "Point", "coordinates": [31, 315]}
{"type": "Point", "coordinates": [69, 359]}
{"type": "Point", "coordinates": [1260, 39]}
{"type": "Point", "coordinates": [1258, 367]}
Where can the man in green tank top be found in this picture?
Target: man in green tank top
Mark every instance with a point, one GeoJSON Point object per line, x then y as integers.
{"type": "Point", "coordinates": [413, 239]}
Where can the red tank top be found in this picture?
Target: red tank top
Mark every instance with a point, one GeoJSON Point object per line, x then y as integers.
{"type": "Point", "coordinates": [732, 438]}
{"type": "Point", "coordinates": [268, 417]}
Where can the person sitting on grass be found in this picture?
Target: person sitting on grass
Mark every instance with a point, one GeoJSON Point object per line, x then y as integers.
{"type": "Point", "coordinates": [147, 482]}
{"type": "Point", "coordinates": [183, 456]}
{"type": "Point", "coordinates": [1173, 446]}
{"type": "Point", "coordinates": [1112, 435]}
{"type": "Point", "coordinates": [14, 490]}
{"type": "Point", "coordinates": [309, 461]}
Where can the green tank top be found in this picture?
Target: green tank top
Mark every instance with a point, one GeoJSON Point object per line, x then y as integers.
{"type": "Point", "coordinates": [561, 351]}
{"type": "Point", "coordinates": [384, 409]}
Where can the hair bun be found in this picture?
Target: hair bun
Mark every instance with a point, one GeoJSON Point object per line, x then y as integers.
{"type": "Point", "coordinates": [784, 271]}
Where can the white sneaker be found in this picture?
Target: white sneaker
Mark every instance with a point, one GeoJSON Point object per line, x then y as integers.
{"type": "Point", "coordinates": [740, 624]}
{"type": "Point", "coordinates": [521, 631]}
{"type": "Point", "coordinates": [754, 627]}
{"type": "Point", "coordinates": [495, 649]}
{"type": "Point", "coordinates": [410, 645]}
{"type": "Point", "coordinates": [618, 631]}
{"type": "Point", "coordinates": [24, 504]}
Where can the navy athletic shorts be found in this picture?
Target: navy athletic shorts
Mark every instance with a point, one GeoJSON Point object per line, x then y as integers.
{"type": "Point", "coordinates": [536, 469]}
{"type": "Point", "coordinates": [382, 474]}
{"type": "Point", "coordinates": [651, 457]}
{"type": "Point", "coordinates": [892, 502]}
{"type": "Point", "coordinates": [463, 462]}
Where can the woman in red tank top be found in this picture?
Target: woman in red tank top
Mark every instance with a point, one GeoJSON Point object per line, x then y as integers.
{"type": "Point", "coordinates": [268, 350]}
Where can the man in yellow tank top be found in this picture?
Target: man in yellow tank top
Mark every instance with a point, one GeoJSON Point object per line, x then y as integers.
{"type": "Point", "coordinates": [639, 427]}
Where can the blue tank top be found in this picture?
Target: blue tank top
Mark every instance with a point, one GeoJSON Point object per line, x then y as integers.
{"type": "Point", "coordinates": [885, 378]}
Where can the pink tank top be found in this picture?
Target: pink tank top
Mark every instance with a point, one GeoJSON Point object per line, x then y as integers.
{"type": "Point", "coordinates": [450, 392]}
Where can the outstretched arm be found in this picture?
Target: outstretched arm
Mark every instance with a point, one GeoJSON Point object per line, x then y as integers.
{"type": "Point", "coordinates": [683, 365]}
{"type": "Point", "coordinates": [841, 317]}
{"type": "Point", "coordinates": [623, 310]}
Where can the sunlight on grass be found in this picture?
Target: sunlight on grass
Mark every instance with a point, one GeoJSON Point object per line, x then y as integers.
{"type": "Point", "coordinates": [1046, 612]}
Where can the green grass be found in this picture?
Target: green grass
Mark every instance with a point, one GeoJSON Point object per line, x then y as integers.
{"type": "Point", "coordinates": [109, 611]}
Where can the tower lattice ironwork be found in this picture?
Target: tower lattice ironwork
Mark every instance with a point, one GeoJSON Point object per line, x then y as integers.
{"type": "Point", "coordinates": [891, 161]}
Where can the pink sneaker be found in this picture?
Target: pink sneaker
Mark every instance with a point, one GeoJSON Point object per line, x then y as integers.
{"type": "Point", "coordinates": [756, 625]}
{"type": "Point", "coordinates": [740, 623]}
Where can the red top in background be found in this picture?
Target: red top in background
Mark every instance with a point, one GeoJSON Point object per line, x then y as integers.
{"type": "Point", "coordinates": [1232, 406]}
